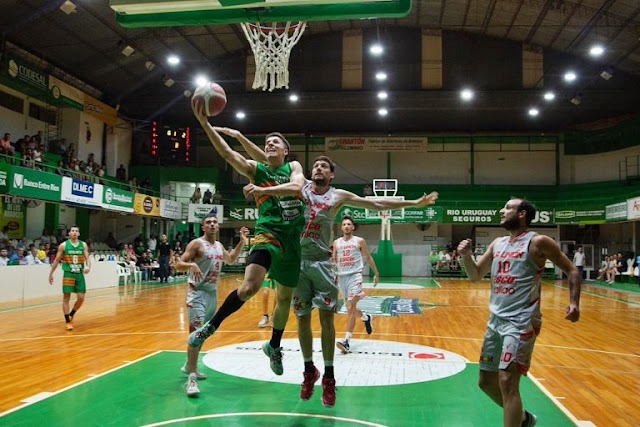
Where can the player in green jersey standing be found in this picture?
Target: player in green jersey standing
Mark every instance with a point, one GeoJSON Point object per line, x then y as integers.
{"type": "Point", "coordinates": [276, 187]}
{"type": "Point", "coordinates": [74, 256]}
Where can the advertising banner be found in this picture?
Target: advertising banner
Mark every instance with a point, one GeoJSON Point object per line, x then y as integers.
{"type": "Point", "coordinates": [197, 211]}
{"type": "Point", "coordinates": [170, 209]}
{"type": "Point", "coordinates": [12, 213]}
{"type": "Point", "coordinates": [242, 213]}
{"type": "Point", "coordinates": [616, 212]}
{"type": "Point", "coordinates": [488, 215]}
{"type": "Point", "coordinates": [633, 208]}
{"type": "Point", "coordinates": [115, 199]}
{"type": "Point", "coordinates": [359, 143]}
{"type": "Point", "coordinates": [4, 177]}
{"type": "Point", "coordinates": [65, 94]}
{"type": "Point", "coordinates": [81, 192]}
{"type": "Point", "coordinates": [582, 216]}
{"type": "Point", "coordinates": [100, 110]}
{"type": "Point", "coordinates": [146, 205]}
{"type": "Point", "coordinates": [33, 184]}
{"type": "Point", "coordinates": [25, 76]}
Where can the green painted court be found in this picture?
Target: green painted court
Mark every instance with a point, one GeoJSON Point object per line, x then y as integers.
{"type": "Point", "coordinates": [149, 392]}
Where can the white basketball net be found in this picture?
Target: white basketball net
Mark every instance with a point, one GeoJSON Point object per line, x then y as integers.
{"type": "Point", "coordinates": [271, 46]}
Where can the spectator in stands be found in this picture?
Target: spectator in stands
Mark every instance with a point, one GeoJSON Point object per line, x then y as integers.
{"type": "Point", "coordinates": [100, 173]}
{"type": "Point", "coordinates": [454, 263]}
{"type": "Point", "coordinates": [4, 259]}
{"type": "Point", "coordinates": [32, 257]}
{"type": "Point", "coordinates": [39, 138]}
{"type": "Point", "coordinates": [208, 197]}
{"type": "Point", "coordinates": [22, 244]}
{"type": "Point", "coordinates": [132, 257]}
{"type": "Point", "coordinates": [137, 240]}
{"type": "Point", "coordinates": [133, 184]}
{"type": "Point", "coordinates": [152, 243]}
{"type": "Point", "coordinates": [578, 261]}
{"type": "Point", "coordinates": [52, 252]}
{"type": "Point", "coordinates": [145, 266]}
{"type": "Point", "coordinates": [177, 244]}
{"type": "Point", "coordinates": [111, 241]}
{"type": "Point", "coordinates": [43, 251]}
{"type": "Point", "coordinates": [5, 145]}
{"type": "Point", "coordinates": [165, 254]}
{"type": "Point", "coordinates": [368, 190]}
{"type": "Point", "coordinates": [195, 198]}
{"type": "Point", "coordinates": [63, 147]}
{"type": "Point", "coordinates": [16, 256]}
{"type": "Point", "coordinates": [91, 158]}
{"type": "Point", "coordinates": [4, 234]}
{"type": "Point", "coordinates": [61, 236]}
{"type": "Point", "coordinates": [121, 174]}
{"type": "Point", "coordinates": [140, 249]}
{"type": "Point", "coordinates": [217, 197]}
{"type": "Point", "coordinates": [38, 154]}
{"type": "Point", "coordinates": [27, 159]}
{"type": "Point", "coordinates": [146, 184]}
{"type": "Point", "coordinates": [22, 143]}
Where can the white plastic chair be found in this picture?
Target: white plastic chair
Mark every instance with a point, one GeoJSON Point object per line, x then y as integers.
{"type": "Point", "coordinates": [123, 272]}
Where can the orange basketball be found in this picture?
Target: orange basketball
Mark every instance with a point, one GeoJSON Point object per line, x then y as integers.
{"type": "Point", "coordinates": [211, 98]}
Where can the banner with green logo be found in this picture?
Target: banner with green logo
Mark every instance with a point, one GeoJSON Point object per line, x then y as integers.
{"type": "Point", "coordinates": [616, 212]}
{"type": "Point", "coordinates": [33, 184]}
{"type": "Point", "coordinates": [115, 199]}
{"type": "Point", "coordinates": [4, 177]}
{"type": "Point", "coordinates": [582, 216]}
{"type": "Point", "coordinates": [25, 76]}
{"type": "Point", "coordinates": [12, 214]}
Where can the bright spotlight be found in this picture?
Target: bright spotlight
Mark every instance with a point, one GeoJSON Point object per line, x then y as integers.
{"type": "Point", "coordinates": [383, 112]}
{"type": "Point", "coordinates": [466, 94]}
{"type": "Point", "coordinates": [533, 112]}
{"type": "Point", "coordinates": [381, 75]}
{"type": "Point", "coordinates": [240, 115]}
{"type": "Point", "coordinates": [376, 49]}
{"type": "Point", "coordinates": [382, 95]}
{"type": "Point", "coordinates": [570, 76]}
{"type": "Point", "coordinates": [293, 97]}
{"type": "Point", "coordinates": [173, 60]}
{"type": "Point", "coordinates": [596, 50]}
{"type": "Point", "coordinates": [549, 96]}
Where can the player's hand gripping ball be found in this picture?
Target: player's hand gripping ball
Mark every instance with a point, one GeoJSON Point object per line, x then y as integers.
{"type": "Point", "coordinates": [210, 99]}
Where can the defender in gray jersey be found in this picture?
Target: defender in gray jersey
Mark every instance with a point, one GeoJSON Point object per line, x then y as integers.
{"type": "Point", "coordinates": [203, 259]}
{"type": "Point", "coordinates": [516, 263]}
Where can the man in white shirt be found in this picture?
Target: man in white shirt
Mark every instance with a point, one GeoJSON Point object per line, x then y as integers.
{"type": "Point", "coordinates": [4, 259]}
{"type": "Point", "coordinates": [152, 243]}
{"type": "Point", "coordinates": [578, 261]}
{"type": "Point", "coordinates": [32, 258]}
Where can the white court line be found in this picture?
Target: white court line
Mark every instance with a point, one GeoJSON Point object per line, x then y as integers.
{"type": "Point", "coordinates": [30, 400]}
{"type": "Point", "coordinates": [555, 400]}
{"type": "Point", "coordinates": [37, 397]}
{"type": "Point", "coordinates": [263, 414]}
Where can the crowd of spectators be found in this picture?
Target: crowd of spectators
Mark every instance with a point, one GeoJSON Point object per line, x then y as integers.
{"type": "Point", "coordinates": [208, 198]}
{"type": "Point", "coordinates": [41, 250]}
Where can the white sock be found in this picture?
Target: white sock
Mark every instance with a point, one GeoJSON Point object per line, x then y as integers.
{"type": "Point", "coordinates": [348, 336]}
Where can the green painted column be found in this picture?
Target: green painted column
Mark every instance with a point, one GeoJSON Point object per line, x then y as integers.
{"type": "Point", "coordinates": [83, 222]}
{"type": "Point", "coordinates": [51, 216]}
{"type": "Point", "coordinates": [389, 263]}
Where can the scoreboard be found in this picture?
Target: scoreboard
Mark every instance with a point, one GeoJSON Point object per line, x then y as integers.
{"type": "Point", "coordinates": [171, 145]}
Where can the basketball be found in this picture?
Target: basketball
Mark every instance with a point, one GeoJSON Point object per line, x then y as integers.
{"type": "Point", "coordinates": [212, 97]}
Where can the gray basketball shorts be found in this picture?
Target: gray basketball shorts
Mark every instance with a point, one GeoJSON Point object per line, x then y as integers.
{"type": "Point", "coordinates": [506, 342]}
{"type": "Point", "coordinates": [316, 288]}
{"type": "Point", "coordinates": [351, 286]}
{"type": "Point", "coordinates": [201, 305]}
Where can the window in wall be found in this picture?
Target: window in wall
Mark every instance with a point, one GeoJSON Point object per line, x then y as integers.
{"type": "Point", "coordinates": [11, 102]}
{"type": "Point", "coordinates": [47, 115]}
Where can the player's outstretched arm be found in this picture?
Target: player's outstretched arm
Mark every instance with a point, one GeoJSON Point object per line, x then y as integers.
{"type": "Point", "coordinates": [255, 152]}
{"type": "Point", "coordinates": [193, 251]}
{"type": "Point", "coordinates": [347, 198]}
{"type": "Point", "coordinates": [230, 257]}
{"type": "Point", "coordinates": [236, 160]}
{"type": "Point", "coordinates": [475, 270]}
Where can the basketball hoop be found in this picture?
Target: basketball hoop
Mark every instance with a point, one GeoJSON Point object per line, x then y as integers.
{"type": "Point", "coordinates": [271, 46]}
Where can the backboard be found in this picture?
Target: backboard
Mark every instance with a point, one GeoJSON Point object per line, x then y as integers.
{"type": "Point", "coordinates": [385, 187]}
{"type": "Point", "coordinates": [171, 13]}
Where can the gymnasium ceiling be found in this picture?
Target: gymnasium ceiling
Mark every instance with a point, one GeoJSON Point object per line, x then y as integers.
{"type": "Point", "coordinates": [87, 45]}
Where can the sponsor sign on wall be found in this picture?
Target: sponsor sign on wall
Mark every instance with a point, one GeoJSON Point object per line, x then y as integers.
{"type": "Point", "coordinates": [616, 212]}
{"type": "Point", "coordinates": [170, 209]}
{"type": "Point", "coordinates": [33, 184]}
{"type": "Point", "coordinates": [242, 213]}
{"type": "Point", "coordinates": [197, 211]}
{"type": "Point", "coordinates": [359, 143]}
{"type": "Point", "coordinates": [146, 205]}
{"type": "Point", "coordinates": [12, 212]}
{"type": "Point", "coordinates": [633, 208]}
{"type": "Point", "coordinates": [4, 178]}
{"type": "Point", "coordinates": [488, 215]}
{"type": "Point", "coordinates": [81, 192]}
{"type": "Point", "coordinates": [115, 199]}
{"type": "Point", "coordinates": [583, 216]}
{"type": "Point", "coordinates": [25, 75]}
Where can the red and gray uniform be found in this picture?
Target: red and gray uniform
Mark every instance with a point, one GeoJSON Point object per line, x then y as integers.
{"type": "Point", "coordinates": [202, 296]}
{"type": "Point", "coordinates": [350, 265]}
{"type": "Point", "coordinates": [515, 319]}
{"type": "Point", "coordinates": [316, 287]}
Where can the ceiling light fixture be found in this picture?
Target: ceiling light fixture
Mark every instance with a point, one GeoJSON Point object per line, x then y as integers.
{"type": "Point", "coordinates": [382, 95]}
{"type": "Point", "coordinates": [549, 96]}
{"type": "Point", "coordinates": [466, 94]}
{"type": "Point", "coordinates": [68, 7]}
{"type": "Point", "coordinates": [173, 60]}
{"type": "Point", "coordinates": [293, 97]}
{"type": "Point", "coordinates": [577, 99]}
{"type": "Point", "coordinates": [607, 74]}
{"type": "Point", "coordinates": [149, 65]}
{"type": "Point", "coordinates": [201, 80]}
{"type": "Point", "coordinates": [383, 112]}
{"type": "Point", "coordinates": [596, 50]}
{"type": "Point", "coordinates": [128, 51]}
{"type": "Point", "coordinates": [570, 76]}
{"type": "Point", "coordinates": [240, 115]}
{"type": "Point", "coordinates": [381, 75]}
{"type": "Point", "coordinates": [168, 81]}
{"type": "Point", "coordinates": [376, 49]}
{"type": "Point", "coordinates": [533, 112]}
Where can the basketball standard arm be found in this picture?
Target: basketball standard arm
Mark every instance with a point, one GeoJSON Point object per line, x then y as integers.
{"type": "Point", "coordinates": [380, 203]}
{"type": "Point", "coordinates": [236, 160]}
{"type": "Point", "coordinates": [255, 152]}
